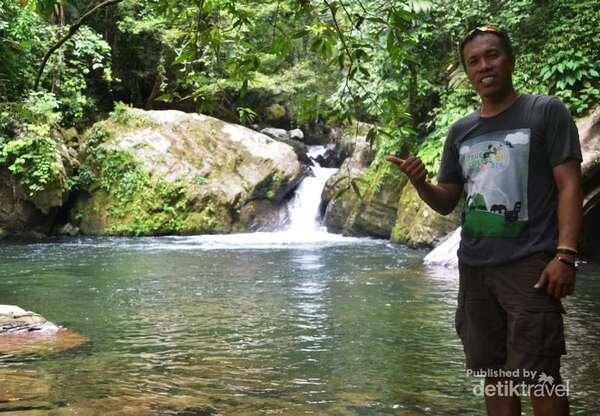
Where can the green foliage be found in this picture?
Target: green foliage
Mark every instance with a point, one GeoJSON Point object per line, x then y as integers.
{"type": "Point", "coordinates": [344, 183]}
{"type": "Point", "coordinates": [247, 115]}
{"type": "Point", "coordinates": [200, 180]}
{"type": "Point", "coordinates": [574, 78]}
{"type": "Point", "coordinates": [21, 39]}
{"type": "Point", "coordinates": [76, 73]}
{"type": "Point", "coordinates": [137, 202]}
{"type": "Point", "coordinates": [126, 117]}
{"type": "Point", "coordinates": [81, 65]}
{"type": "Point", "coordinates": [30, 153]}
{"type": "Point", "coordinates": [455, 104]}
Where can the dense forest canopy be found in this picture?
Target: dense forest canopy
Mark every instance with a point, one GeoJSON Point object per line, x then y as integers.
{"type": "Point", "coordinates": [392, 64]}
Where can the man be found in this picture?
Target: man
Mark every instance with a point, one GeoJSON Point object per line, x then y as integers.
{"type": "Point", "coordinates": [517, 159]}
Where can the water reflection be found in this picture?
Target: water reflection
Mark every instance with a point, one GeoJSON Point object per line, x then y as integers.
{"type": "Point", "coordinates": [331, 329]}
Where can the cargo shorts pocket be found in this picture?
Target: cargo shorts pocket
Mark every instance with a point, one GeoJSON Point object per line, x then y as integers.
{"type": "Point", "coordinates": [539, 332]}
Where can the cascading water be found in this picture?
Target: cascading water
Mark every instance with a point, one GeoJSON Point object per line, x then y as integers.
{"type": "Point", "coordinates": [303, 227]}
{"type": "Point", "coordinates": [304, 206]}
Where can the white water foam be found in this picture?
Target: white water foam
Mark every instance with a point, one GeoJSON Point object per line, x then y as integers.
{"type": "Point", "coordinates": [304, 206]}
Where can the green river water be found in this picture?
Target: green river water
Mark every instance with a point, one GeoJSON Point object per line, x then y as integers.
{"type": "Point", "coordinates": [192, 326]}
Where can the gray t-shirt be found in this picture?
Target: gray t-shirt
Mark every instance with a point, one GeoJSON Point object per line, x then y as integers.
{"type": "Point", "coordinates": [505, 163]}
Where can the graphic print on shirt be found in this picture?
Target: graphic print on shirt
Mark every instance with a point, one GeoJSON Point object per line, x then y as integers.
{"type": "Point", "coordinates": [496, 169]}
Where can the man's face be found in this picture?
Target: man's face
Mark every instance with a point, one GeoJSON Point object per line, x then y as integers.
{"type": "Point", "coordinates": [488, 66]}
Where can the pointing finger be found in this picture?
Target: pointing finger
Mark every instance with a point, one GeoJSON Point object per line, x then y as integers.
{"type": "Point", "coordinates": [394, 159]}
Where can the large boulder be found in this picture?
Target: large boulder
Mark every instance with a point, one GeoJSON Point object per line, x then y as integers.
{"type": "Point", "coordinates": [159, 172]}
{"type": "Point", "coordinates": [375, 214]}
{"type": "Point", "coordinates": [392, 209]}
{"type": "Point", "coordinates": [286, 137]}
{"type": "Point", "coordinates": [589, 136]}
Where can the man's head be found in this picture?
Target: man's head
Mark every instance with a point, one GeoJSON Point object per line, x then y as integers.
{"type": "Point", "coordinates": [481, 30]}
{"type": "Point", "coordinates": [488, 59]}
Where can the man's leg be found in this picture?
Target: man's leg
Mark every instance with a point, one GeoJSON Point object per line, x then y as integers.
{"type": "Point", "coordinates": [551, 405]}
{"type": "Point", "coordinates": [481, 325]}
{"type": "Point", "coordinates": [504, 403]}
{"type": "Point", "coordinates": [535, 333]}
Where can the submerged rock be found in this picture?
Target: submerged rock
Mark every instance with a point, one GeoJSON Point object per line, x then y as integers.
{"type": "Point", "coordinates": [168, 172]}
{"type": "Point", "coordinates": [25, 332]}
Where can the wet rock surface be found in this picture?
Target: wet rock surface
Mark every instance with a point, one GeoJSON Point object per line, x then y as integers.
{"type": "Point", "coordinates": [589, 134]}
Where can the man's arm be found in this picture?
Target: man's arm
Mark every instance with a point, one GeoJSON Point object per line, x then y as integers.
{"type": "Point", "coordinates": [570, 202]}
{"type": "Point", "coordinates": [560, 277]}
{"type": "Point", "coordinates": [442, 197]}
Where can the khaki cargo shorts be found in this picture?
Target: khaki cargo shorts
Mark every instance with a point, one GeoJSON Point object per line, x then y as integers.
{"type": "Point", "coordinates": [506, 324]}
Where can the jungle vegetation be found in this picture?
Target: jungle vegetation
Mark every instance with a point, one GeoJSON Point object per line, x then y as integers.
{"type": "Point", "coordinates": [390, 63]}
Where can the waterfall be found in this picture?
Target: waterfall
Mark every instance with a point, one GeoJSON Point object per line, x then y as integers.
{"type": "Point", "coordinates": [303, 228]}
{"type": "Point", "coordinates": [444, 254]}
{"type": "Point", "coordinates": [304, 206]}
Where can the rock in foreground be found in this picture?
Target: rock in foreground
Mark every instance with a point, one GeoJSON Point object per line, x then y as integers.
{"type": "Point", "coordinates": [15, 320]}
{"type": "Point", "coordinates": [24, 332]}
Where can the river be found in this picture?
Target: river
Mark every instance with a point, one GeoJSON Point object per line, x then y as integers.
{"type": "Point", "coordinates": [296, 322]}
{"type": "Point", "coordinates": [343, 327]}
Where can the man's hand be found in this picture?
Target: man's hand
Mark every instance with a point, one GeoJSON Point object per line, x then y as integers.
{"type": "Point", "coordinates": [559, 279]}
{"type": "Point", "coordinates": [413, 167]}
{"type": "Point", "coordinates": [442, 197]}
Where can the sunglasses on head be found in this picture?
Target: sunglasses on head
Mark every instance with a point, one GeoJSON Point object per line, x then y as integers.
{"type": "Point", "coordinates": [485, 29]}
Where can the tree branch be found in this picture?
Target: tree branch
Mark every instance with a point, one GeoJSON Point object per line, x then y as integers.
{"type": "Point", "coordinates": [72, 30]}
{"type": "Point", "coordinates": [350, 57]}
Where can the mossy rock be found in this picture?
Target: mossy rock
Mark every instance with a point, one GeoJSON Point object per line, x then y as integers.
{"type": "Point", "coordinates": [275, 112]}
{"type": "Point", "coordinates": [168, 172]}
{"type": "Point", "coordinates": [419, 225]}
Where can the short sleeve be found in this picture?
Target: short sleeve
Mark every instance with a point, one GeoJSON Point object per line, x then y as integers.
{"type": "Point", "coordinates": [450, 171]}
{"type": "Point", "coordinates": [561, 136]}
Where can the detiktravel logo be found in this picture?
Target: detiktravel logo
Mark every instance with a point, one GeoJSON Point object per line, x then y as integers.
{"type": "Point", "coordinates": [518, 383]}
